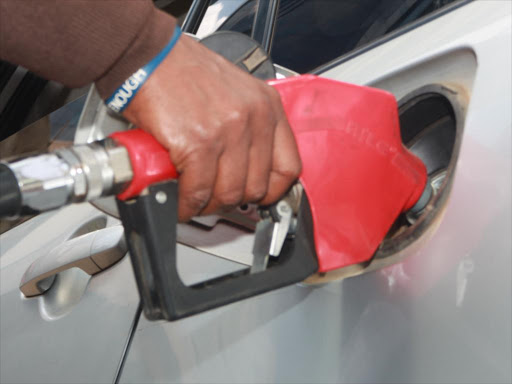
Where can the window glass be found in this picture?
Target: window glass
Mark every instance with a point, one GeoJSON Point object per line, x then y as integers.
{"type": "Point", "coordinates": [310, 33]}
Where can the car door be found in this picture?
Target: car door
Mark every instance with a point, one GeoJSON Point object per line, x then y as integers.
{"type": "Point", "coordinates": [434, 303]}
{"type": "Point", "coordinates": [79, 300]}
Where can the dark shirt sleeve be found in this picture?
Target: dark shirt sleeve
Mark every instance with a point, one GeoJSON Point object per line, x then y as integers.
{"type": "Point", "coordinates": [82, 41]}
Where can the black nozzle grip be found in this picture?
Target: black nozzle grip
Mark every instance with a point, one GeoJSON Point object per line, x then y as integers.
{"type": "Point", "coordinates": [150, 229]}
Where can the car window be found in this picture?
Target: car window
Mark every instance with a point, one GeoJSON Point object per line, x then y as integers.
{"type": "Point", "coordinates": [310, 33]}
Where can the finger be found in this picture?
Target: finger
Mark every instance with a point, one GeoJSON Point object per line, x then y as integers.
{"type": "Point", "coordinates": [231, 178]}
{"type": "Point", "coordinates": [286, 164]}
{"type": "Point", "coordinates": [196, 183]}
{"type": "Point", "coordinates": [260, 156]}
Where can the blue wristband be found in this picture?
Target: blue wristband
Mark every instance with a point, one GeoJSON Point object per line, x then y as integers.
{"type": "Point", "coordinates": [125, 93]}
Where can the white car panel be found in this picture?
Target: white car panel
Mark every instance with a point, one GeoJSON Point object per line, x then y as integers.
{"type": "Point", "coordinates": [443, 314]}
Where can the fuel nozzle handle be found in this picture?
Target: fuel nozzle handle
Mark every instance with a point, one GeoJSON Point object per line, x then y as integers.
{"type": "Point", "coordinates": [123, 164]}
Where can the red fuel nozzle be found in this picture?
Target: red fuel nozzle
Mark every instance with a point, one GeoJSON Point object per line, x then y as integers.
{"type": "Point", "coordinates": [356, 172]}
{"type": "Point", "coordinates": [151, 162]}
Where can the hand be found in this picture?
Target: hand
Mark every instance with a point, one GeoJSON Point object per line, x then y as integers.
{"type": "Point", "coordinates": [226, 131]}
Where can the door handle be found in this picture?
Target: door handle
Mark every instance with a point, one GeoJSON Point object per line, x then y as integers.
{"type": "Point", "coordinates": [92, 253]}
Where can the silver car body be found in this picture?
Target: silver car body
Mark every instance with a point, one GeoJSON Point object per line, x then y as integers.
{"type": "Point", "coordinates": [440, 313]}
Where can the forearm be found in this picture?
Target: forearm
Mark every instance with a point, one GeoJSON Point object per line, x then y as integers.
{"type": "Point", "coordinates": [81, 41]}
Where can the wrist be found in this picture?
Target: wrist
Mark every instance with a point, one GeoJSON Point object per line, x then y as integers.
{"type": "Point", "coordinates": [122, 96]}
{"type": "Point", "coordinates": [149, 41]}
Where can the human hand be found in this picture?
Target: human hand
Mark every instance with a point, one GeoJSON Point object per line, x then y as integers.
{"type": "Point", "coordinates": [226, 131]}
